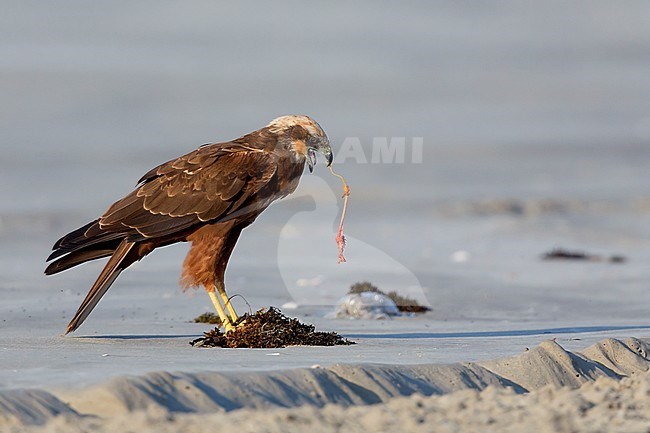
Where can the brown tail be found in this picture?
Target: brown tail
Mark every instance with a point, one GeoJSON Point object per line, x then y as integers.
{"type": "Point", "coordinates": [84, 244]}
{"type": "Point", "coordinates": [77, 258]}
{"type": "Point", "coordinates": [115, 265]}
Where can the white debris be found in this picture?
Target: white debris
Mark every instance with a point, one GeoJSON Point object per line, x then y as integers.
{"type": "Point", "coordinates": [460, 256]}
{"type": "Point", "coordinates": [310, 282]}
{"type": "Point", "coordinates": [365, 305]}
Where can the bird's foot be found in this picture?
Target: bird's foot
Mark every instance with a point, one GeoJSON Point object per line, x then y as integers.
{"type": "Point", "coordinates": [239, 322]}
{"type": "Point", "coordinates": [228, 322]}
{"type": "Point", "coordinates": [228, 326]}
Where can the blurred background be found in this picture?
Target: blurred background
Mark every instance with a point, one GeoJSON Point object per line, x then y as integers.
{"type": "Point", "coordinates": [534, 116]}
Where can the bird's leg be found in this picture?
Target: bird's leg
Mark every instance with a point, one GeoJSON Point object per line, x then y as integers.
{"type": "Point", "coordinates": [226, 301]}
{"type": "Point", "coordinates": [225, 320]}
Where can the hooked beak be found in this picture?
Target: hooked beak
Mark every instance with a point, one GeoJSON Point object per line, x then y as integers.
{"type": "Point", "coordinates": [322, 146]}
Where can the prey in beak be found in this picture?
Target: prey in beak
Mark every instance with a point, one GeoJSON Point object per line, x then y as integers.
{"type": "Point", "coordinates": [322, 145]}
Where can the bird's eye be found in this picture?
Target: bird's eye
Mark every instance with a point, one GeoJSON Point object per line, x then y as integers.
{"type": "Point", "coordinates": [313, 141]}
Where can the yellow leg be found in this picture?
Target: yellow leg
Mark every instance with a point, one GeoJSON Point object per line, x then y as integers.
{"type": "Point", "coordinates": [227, 303]}
{"type": "Point", "coordinates": [227, 324]}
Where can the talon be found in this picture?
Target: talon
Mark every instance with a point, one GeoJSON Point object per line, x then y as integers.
{"type": "Point", "coordinates": [228, 327]}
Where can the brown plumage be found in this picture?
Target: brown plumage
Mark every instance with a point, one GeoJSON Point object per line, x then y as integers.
{"type": "Point", "coordinates": [205, 197]}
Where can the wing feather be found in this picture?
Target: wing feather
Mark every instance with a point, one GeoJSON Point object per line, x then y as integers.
{"type": "Point", "coordinates": [202, 186]}
{"type": "Point", "coordinates": [122, 205]}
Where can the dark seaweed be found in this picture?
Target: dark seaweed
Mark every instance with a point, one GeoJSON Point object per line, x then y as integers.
{"type": "Point", "coordinates": [210, 318]}
{"type": "Point", "coordinates": [404, 304]}
{"type": "Point", "coordinates": [562, 254]}
{"type": "Point", "coordinates": [269, 329]}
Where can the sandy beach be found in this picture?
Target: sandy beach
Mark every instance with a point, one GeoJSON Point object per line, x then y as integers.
{"type": "Point", "coordinates": [534, 126]}
{"type": "Point", "coordinates": [606, 387]}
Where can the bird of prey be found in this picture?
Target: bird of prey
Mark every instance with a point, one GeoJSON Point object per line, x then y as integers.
{"type": "Point", "coordinates": [206, 197]}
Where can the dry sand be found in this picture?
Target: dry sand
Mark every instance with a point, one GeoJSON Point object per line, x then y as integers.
{"type": "Point", "coordinates": [606, 387]}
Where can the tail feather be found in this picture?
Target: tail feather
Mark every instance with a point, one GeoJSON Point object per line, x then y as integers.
{"type": "Point", "coordinates": [77, 258]}
{"type": "Point", "coordinates": [115, 265]}
{"type": "Point", "coordinates": [83, 237]}
{"type": "Point", "coordinates": [73, 236]}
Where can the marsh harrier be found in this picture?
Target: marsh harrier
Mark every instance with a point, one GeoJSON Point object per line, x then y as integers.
{"type": "Point", "coordinates": [206, 197]}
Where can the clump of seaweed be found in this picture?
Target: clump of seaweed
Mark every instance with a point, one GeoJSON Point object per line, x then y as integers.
{"type": "Point", "coordinates": [210, 318]}
{"type": "Point", "coordinates": [269, 329]}
{"type": "Point", "coordinates": [364, 286]}
{"type": "Point", "coordinates": [562, 254]}
{"type": "Point", "coordinates": [404, 304]}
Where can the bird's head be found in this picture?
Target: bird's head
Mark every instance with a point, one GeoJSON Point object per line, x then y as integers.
{"type": "Point", "coordinates": [304, 137]}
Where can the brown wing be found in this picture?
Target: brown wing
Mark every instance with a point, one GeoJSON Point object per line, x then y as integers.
{"type": "Point", "coordinates": [209, 184]}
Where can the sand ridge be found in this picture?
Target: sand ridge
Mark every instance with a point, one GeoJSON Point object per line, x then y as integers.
{"type": "Point", "coordinates": [546, 372]}
{"type": "Point", "coordinates": [605, 405]}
